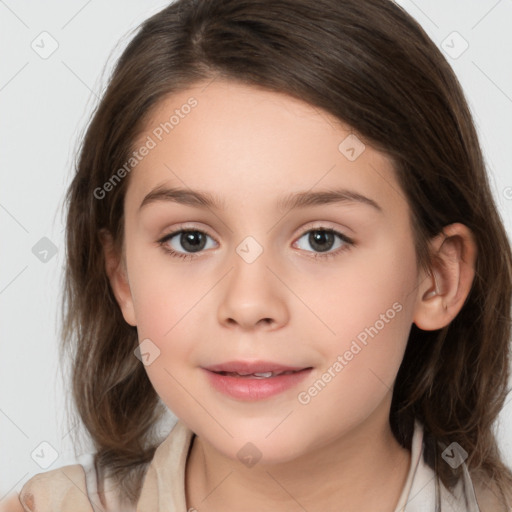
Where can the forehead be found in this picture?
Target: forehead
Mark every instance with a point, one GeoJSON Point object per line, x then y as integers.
{"type": "Point", "coordinates": [234, 139]}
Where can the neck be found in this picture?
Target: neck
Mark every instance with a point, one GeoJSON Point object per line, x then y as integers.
{"type": "Point", "coordinates": [364, 469]}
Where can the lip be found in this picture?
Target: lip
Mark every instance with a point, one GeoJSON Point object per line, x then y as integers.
{"type": "Point", "coordinates": [251, 367]}
{"type": "Point", "coordinates": [252, 388]}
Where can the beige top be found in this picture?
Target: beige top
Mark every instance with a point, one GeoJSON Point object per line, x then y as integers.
{"type": "Point", "coordinates": [73, 488]}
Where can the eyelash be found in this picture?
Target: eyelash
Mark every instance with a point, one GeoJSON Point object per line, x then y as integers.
{"type": "Point", "coordinates": [349, 243]}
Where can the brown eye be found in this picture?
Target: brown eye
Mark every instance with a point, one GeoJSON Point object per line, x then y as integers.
{"type": "Point", "coordinates": [184, 243]}
{"type": "Point", "coordinates": [192, 241]}
{"type": "Point", "coordinates": [323, 240]}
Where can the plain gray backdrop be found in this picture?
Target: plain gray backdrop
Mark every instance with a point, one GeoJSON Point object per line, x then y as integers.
{"type": "Point", "coordinates": [55, 61]}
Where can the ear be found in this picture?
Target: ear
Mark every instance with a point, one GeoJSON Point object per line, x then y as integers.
{"type": "Point", "coordinates": [443, 291]}
{"type": "Point", "coordinates": [116, 271]}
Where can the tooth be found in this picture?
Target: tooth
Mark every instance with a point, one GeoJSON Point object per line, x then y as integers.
{"type": "Point", "coordinates": [260, 375]}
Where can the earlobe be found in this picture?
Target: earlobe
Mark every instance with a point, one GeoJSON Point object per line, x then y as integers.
{"type": "Point", "coordinates": [117, 276]}
{"type": "Point", "coordinates": [443, 291]}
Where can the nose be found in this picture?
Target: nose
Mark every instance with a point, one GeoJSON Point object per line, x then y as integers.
{"type": "Point", "coordinates": [252, 297]}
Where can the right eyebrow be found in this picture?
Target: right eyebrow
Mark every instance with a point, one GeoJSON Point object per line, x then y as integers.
{"type": "Point", "coordinates": [182, 196]}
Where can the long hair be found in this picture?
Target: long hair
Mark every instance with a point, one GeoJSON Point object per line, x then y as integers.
{"type": "Point", "coordinates": [372, 66]}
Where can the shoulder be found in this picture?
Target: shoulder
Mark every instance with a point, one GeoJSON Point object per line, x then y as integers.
{"type": "Point", "coordinates": [11, 504]}
{"type": "Point", "coordinates": [489, 496]}
{"type": "Point", "coordinates": [472, 492]}
{"type": "Point", "coordinates": [59, 489]}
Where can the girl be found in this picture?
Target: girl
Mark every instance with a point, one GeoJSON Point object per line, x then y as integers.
{"type": "Point", "coordinates": [281, 230]}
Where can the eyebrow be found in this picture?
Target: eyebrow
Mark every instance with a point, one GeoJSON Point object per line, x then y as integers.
{"type": "Point", "coordinates": [293, 201]}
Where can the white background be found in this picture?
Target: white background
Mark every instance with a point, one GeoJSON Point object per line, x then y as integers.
{"type": "Point", "coordinates": [45, 105]}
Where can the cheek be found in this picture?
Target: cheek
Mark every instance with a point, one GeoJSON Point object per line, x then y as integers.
{"type": "Point", "coordinates": [168, 312]}
{"type": "Point", "coordinates": [166, 324]}
{"type": "Point", "coordinates": [369, 314]}
{"type": "Point", "coordinates": [164, 291]}
{"type": "Point", "coordinates": [369, 297]}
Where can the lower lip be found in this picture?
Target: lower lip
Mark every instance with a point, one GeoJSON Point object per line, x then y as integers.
{"type": "Point", "coordinates": [247, 388]}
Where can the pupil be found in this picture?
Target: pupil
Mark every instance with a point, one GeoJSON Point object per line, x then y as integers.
{"type": "Point", "coordinates": [317, 238]}
{"type": "Point", "coordinates": [191, 241]}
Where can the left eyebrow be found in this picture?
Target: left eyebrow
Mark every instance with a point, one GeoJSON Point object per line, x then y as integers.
{"type": "Point", "coordinates": [297, 200]}
{"type": "Point", "coordinates": [304, 199]}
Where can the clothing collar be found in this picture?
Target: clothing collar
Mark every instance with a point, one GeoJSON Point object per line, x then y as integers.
{"type": "Point", "coordinates": [423, 492]}
{"type": "Point", "coordinates": [163, 489]}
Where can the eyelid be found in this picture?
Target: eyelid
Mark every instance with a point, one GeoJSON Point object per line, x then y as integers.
{"type": "Point", "coordinates": [322, 225]}
{"type": "Point", "coordinates": [186, 227]}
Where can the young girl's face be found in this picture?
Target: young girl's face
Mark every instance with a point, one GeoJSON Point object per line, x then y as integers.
{"type": "Point", "coordinates": [259, 279]}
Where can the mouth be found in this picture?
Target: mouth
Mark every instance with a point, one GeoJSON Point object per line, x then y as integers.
{"type": "Point", "coordinates": [259, 375]}
{"type": "Point", "coordinates": [244, 368]}
{"type": "Point", "coordinates": [254, 380]}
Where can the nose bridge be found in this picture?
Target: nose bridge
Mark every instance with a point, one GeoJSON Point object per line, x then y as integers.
{"type": "Point", "coordinates": [252, 294]}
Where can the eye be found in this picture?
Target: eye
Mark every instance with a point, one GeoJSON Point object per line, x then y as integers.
{"type": "Point", "coordinates": [191, 240]}
{"type": "Point", "coordinates": [324, 240]}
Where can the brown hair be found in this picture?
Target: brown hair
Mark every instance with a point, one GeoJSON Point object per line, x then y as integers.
{"type": "Point", "coordinates": [372, 66]}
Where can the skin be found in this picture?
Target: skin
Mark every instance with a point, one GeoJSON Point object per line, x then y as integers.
{"type": "Point", "coordinates": [249, 148]}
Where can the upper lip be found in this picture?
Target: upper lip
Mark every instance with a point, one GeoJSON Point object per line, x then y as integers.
{"type": "Point", "coordinates": [252, 367]}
